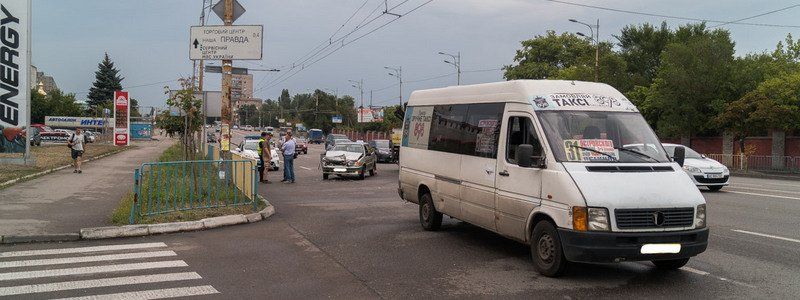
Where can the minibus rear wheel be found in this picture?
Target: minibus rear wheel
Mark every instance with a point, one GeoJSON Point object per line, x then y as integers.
{"type": "Point", "coordinates": [670, 264]}
{"type": "Point", "coordinates": [548, 256]}
{"type": "Point", "coordinates": [430, 219]}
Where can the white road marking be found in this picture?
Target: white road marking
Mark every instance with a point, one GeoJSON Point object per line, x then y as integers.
{"type": "Point", "coordinates": [304, 168]}
{"type": "Point", "coordinates": [81, 249]}
{"type": "Point", "coordinates": [92, 270]}
{"type": "Point", "coordinates": [764, 195]}
{"type": "Point", "coordinates": [83, 259]}
{"type": "Point", "coordinates": [696, 271]}
{"type": "Point", "coordinates": [767, 235]}
{"type": "Point", "coordinates": [766, 190]}
{"type": "Point", "coordinates": [157, 294]}
{"type": "Point", "coordinates": [96, 283]}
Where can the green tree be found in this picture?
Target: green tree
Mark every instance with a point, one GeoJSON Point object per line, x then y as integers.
{"type": "Point", "coordinates": [190, 121]}
{"type": "Point", "coordinates": [56, 103]}
{"type": "Point", "coordinates": [107, 80]}
{"type": "Point", "coordinates": [693, 81]}
{"type": "Point", "coordinates": [641, 47]}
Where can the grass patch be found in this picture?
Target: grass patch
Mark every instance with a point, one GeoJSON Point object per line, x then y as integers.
{"type": "Point", "coordinates": [187, 191]}
{"type": "Point", "coordinates": [52, 156]}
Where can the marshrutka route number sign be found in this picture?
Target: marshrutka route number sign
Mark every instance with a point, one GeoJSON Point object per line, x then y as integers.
{"type": "Point", "coordinates": [239, 42]}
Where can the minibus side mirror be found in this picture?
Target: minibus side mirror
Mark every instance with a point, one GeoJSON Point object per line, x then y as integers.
{"type": "Point", "coordinates": [525, 155]}
{"type": "Point", "coordinates": [680, 155]}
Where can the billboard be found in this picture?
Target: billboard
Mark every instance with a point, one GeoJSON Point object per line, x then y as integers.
{"type": "Point", "coordinates": [141, 131]}
{"type": "Point", "coordinates": [122, 118]}
{"type": "Point", "coordinates": [336, 119]}
{"type": "Point", "coordinates": [370, 114]}
{"type": "Point", "coordinates": [73, 122]}
{"type": "Point", "coordinates": [15, 75]}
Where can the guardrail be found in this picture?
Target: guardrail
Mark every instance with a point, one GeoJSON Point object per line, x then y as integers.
{"type": "Point", "coordinates": [758, 162]}
{"type": "Point", "coordinates": [166, 187]}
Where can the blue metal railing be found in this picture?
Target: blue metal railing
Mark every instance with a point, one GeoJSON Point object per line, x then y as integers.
{"type": "Point", "coordinates": [166, 187]}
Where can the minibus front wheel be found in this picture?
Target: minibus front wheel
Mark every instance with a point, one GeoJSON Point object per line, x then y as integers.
{"type": "Point", "coordinates": [430, 219]}
{"type": "Point", "coordinates": [546, 251]}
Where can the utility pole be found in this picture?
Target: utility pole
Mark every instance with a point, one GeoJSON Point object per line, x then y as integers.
{"type": "Point", "coordinates": [456, 63]}
{"type": "Point", "coordinates": [227, 69]}
{"type": "Point", "coordinates": [398, 72]}
{"type": "Point", "coordinates": [360, 85]}
{"type": "Point", "coordinates": [594, 31]}
{"type": "Point", "coordinates": [370, 99]}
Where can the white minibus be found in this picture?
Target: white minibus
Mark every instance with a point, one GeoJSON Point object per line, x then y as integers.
{"type": "Point", "coordinates": [570, 168]}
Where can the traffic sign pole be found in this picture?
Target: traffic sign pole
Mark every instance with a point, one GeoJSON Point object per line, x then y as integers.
{"type": "Point", "coordinates": [227, 68]}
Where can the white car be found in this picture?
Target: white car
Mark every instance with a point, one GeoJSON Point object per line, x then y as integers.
{"type": "Point", "coordinates": [703, 170]}
{"type": "Point", "coordinates": [249, 149]}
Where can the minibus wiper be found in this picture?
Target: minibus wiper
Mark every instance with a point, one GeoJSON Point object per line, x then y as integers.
{"type": "Point", "coordinates": [637, 153]}
{"type": "Point", "coordinates": [595, 151]}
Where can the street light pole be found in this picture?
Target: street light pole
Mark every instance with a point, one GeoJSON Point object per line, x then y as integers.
{"type": "Point", "coordinates": [456, 63]}
{"type": "Point", "coordinates": [360, 85]}
{"type": "Point", "coordinates": [594, 30]}
{"type": "Point", "coordinates": [398, 72]}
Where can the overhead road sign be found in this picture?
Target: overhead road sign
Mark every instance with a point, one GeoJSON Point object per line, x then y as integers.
{"type": "Point", "coordinates": [240, 42]}
{"type": "Point", "coordinates": [219, 9]}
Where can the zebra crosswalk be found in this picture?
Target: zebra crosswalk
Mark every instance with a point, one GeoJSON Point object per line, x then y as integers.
{"type": "Point", "coordinates": [122, 271]}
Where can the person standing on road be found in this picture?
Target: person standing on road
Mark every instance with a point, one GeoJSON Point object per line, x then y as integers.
{"type": "Point", "coordinates": [75, 144]}
{"type": "Point", "coordinates": [264, 156]}
{"type": "Point", "coordinates": [288, 158]}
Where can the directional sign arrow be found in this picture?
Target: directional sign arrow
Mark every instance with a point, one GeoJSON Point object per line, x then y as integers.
{"type": "Point", "coordinates": [195, 43]}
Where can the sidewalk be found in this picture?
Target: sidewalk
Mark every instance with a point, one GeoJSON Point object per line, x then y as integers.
{"type": "Point", "coordinates": [63, 202]}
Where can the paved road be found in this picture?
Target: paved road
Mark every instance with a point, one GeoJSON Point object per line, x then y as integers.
{"type": "Point", "coordinates": [344, 238]}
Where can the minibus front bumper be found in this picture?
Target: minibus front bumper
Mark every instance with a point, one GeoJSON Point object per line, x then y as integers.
{"type": "Point", "coordinates": [592, 246]}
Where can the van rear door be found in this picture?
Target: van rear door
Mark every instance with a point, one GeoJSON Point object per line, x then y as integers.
{"type": "Point", "coordinates": [518, 189]}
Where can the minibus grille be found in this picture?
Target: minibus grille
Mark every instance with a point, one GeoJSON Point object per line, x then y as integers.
{"type": "Point", "coordinates": [654, 217]}
{"type": "Point", "coordinates": [629, 169]}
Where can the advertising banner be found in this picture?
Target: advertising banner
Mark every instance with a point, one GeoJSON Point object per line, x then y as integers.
{"type": "Point", "coordinates": [141, 131]}
{"type": "Point", "coordinates": [122, 118]}
{"type": "Point", "coordinates": [73, 122]}
{"type": "Point", "coordinates": [336, 119]}
{"type": "Point", "coordinates": [368, 115]}
{"type": "Point", "coordinates": [14, 78]}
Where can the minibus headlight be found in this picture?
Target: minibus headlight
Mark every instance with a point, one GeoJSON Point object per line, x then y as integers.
{"type": "Point", "coordinates": [598, 219]}
{"type": "Point", "coordinates": [700, 216]}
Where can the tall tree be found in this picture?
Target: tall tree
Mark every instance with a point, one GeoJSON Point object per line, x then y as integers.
{"type": "Point", "coordinates": [55, 103]}
{"type": "Point", "coordinates": [641, 47]}
{"type": "Point", "coordinates": [693, 81]}
{"type": "Point", "coordinates": [107, 80]}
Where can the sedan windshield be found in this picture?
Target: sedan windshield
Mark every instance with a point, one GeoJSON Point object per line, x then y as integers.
{"type": "Point", "coordinates": [349, 148]}
{"type": "Point", "coordinates": [589, 136]}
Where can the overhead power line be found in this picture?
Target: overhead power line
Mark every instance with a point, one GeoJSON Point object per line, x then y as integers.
{"type": "Point", "coordinates": [756, 16]}
{"type": "Point", "coordinates": [342, 44]}
{"type": "Point", "coordinates": [669, 16]}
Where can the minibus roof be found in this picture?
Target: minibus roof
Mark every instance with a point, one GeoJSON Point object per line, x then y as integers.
{"type": "Point", "coordinates": [542, 94]}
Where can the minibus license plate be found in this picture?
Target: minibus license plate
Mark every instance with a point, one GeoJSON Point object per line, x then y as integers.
{"type": "Point", "coordinates": [661, 248]}
{"type": "Point", "coordinates": [714, 176]}
{"type": "Point", "coordinates": [340, 170]}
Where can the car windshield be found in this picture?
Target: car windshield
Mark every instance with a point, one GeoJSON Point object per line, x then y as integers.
{"type": "Point", "coordinates": [381, 144]}
{"type": "Point", "coordinates": [689, 152]}
{"type": "Point", "coordinates": [250, 145]}
{"type": "Point", "coordinates": [349, 148]}
{"type": "Point", "coordinates": [591, 136]}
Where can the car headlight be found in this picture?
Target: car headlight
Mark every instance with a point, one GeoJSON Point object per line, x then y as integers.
{"type": "Point", "coordinates": [700, 216]}
{"type": "Point", "coordinates": [351, 163]}
{"type": "Point", "coordinates": [592, 218]}
{"type": "Point", "coordinates": [691, 169]}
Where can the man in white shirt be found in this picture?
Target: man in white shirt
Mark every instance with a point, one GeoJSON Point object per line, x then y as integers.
{"type": "Point", "coordinates": [75, 143]}
{"type": "Point", "coordinates": [288, 148]}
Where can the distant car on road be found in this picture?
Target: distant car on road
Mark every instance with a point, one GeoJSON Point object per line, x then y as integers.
{"type": "Point", "coordinates": [249, 149]}
{"type": "Point", "coordinates": [349, 159]}
{"type": "Point", "coordinates": [36, 138]}
{"type": "Point", "coordinates": [703, 170]}
{"type": "Point", "coordinates": [248, 128]}
{"type": "Point", "coordinates": [329, 140]}
{"type": "Point", "coordinates": [302, 146]}
{"type": "Point", "coordinates": [383, 148]}
{"type": "Point", "coordinates": [316, 136]}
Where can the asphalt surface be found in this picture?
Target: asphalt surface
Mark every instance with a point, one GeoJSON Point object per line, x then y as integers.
{"type": "Point", "coordinates": [345, 238]}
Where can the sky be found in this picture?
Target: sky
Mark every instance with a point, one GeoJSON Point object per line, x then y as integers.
{"type": "Point", "coordinates": [149, 39]}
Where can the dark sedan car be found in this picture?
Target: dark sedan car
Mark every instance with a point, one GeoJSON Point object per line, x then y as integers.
{"type": "Point", "coordinates": [383, 150]}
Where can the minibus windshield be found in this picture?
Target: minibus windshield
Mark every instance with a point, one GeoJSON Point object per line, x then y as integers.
{"type": "Point", "coordinates": [601, 136]}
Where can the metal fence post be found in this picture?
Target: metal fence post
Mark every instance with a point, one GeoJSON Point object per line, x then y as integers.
{"type": "Point", "coordinates": [131, 218]}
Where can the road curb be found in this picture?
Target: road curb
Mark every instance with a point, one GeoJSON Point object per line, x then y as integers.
{"type": "Point", "coordinates": [110, 232]}
{"type": "Point", "coordinates": [45, 172]}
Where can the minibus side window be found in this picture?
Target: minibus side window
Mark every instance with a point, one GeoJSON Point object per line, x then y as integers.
{"type": "Point", "coordinates": [520, 131]}
{"type": "Point", "coordinates": [447, 126]}
{"type": "Point", "coordinates": [482, 129]}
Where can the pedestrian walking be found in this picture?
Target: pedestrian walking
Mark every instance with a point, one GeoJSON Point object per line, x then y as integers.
{"type": "Point", "coordinates": [288, 148]}
{"type": "Point", "coordinates": [75, 144]}
{"type": "Point", "coordinates": [264, 156]}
